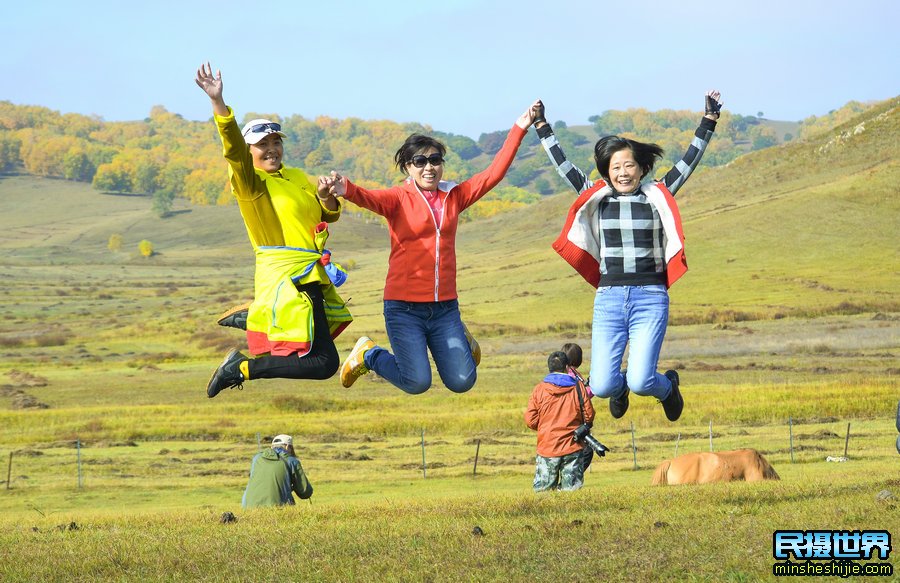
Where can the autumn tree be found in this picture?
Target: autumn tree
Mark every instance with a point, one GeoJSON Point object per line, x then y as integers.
{"type": "Point", "coordinates": [146, 248]}
{"type": "Point", "coordinates": [113, 177]}
{"type": "Point", "coordinates": [304, 136]}
{"type": "Point", "coordinates": [319, 158]}
{"type": "Point", "coordinates": [115, 242]}
{"type": "Point", "coordinates": [464, 146]}
{"type": "Point", "coordinates": [9, 151]}
{"type": "Point", "coordinates": [162, 202]}
{"type": "Point", "coordinates": [543, 186]}
{"type": "Point", "coordinates": [77, 165]}
{"type": "Point", "coordinates": [145, 176]}
{"type": "Point", "coordinates": [207, 185]}
{"type": "Point", "coordinates": [762, 137]}
{"type": "Point", "coordinates": [490, 143]}
{"type": "Point", "coordinates": [524, 172]}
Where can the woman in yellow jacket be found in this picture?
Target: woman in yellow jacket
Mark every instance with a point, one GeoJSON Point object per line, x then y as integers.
{"type": "Point", "coordinates": [296, 313]}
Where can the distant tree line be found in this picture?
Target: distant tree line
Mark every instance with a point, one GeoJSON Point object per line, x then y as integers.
{"type": "Point", "coordinates": [168, 157]}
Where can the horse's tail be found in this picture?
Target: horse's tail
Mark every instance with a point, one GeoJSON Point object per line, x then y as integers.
{"type": "Point", "coordinates": [660, 477]}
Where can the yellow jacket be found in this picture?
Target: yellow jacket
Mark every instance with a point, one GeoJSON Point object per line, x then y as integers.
{"type": "Point", "coordinates": [285, 221]}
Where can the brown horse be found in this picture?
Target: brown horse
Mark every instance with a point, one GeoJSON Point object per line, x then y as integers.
{"type": "Point", "coordinates": [723, 466]}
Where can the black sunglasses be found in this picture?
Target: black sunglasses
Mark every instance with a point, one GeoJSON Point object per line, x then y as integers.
{"type": "Point", "coordinates": [261, 127]}
{"type": "Point", "coordinates": [419, 161]}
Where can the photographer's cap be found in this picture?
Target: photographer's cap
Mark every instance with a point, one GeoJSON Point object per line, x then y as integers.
{"type": "Point", "coordinates": [282, 440]}
{"type": "Point", "coordinates": [256, 129]}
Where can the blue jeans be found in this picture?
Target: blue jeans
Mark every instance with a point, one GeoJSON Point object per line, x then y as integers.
{"type": "Point", "coordinates": [634, 315]}
{"type": "Point", "coordinates": [413, 327]}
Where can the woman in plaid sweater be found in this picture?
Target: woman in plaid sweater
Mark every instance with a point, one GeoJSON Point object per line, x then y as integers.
{"type": "Point", "coordinates": [625, 238]}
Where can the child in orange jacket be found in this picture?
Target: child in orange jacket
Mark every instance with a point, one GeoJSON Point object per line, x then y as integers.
{"type": "Point", "coordinates": [555, 411]}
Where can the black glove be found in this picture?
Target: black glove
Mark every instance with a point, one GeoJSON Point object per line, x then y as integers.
{"type": "Point", "coordinates": [540, 113]}
{"type": "Point", "coordinates": [713, 107]}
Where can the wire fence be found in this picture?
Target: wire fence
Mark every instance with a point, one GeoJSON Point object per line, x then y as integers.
{"type": "Point", "coordinates": [437, 456]}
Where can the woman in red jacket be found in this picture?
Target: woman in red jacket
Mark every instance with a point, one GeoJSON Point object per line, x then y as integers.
{"type": "Point", "coordinates": [421, 311]}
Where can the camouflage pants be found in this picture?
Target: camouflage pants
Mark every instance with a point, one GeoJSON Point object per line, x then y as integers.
{"type": "Point", "coordinates": [558, 473]}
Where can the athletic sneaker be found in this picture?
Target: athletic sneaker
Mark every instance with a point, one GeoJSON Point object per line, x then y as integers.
{"type": "Point", "coordinates": [619, 405]}
{"type": "Point", "coordinates": [228, 375]}
{"type": "Point", "coordinates": [473, 345]}
{"type": "Point", "coordinates": [235, 317]}
{"type": "Point", "coordinates": [355, 365]}
{"type": "Point", "coordinates": [674, 403]}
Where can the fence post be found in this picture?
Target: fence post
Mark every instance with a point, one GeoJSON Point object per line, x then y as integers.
{"type": "Point", "coordinates": [477, 448]}
{"type": "Point", "coordinates": [633, 447]}
{"type": "Point", "coordinates": [9, 470]}
{"type": "Point", "coordinates": [78, 457]}
{"type": "Point", "coordinates": [710, 435]}
{"type": "Point", "coordinates": [423, 453]}
{"type": "Point", "coordinates": [791, 431]}
{"type": "Point", "coordinates": [677, 439]}
{"type": "Point", "coordinates": [847, 440]}
{"type": "Point", "coordinates": [258, 442]}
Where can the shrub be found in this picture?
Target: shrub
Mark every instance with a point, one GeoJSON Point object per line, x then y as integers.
{"type": "Point", "coordinates": [50, 340]}
{"type": "Point", "coordinates": [146, 248]}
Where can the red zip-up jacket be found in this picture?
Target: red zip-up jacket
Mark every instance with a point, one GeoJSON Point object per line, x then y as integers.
{"type": "Point", "coordinates": [422, 265]}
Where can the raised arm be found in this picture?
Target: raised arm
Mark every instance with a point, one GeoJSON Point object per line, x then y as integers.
{"type": "Point", "coordinates": [249, 190]}
{"type": "Point", "coordinates": [245, 183]}
{"type": "Point", "coordinates": [682, 170]}
{"type": "Point", "coordinates": [569, 172]}
{"type": "Point", "coordinates": [212, 86]}
{"type": "Point", "coordinates": [480, 184]}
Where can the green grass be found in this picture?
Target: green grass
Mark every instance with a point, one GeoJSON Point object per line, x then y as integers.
{"type": "Point", "coordinates": [421, 532]}
{"type": "Point", "coordinates": [790, 311]}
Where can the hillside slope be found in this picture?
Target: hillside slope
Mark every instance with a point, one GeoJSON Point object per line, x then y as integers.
{"type": "Point", "coordinates": [801, 228]}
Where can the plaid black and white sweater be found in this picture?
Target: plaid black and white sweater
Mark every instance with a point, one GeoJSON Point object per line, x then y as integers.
{"type": "Point", "coordinates": [634, 242]}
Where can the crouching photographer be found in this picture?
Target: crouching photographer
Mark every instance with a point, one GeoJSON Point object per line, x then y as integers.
{"type": "Point", "coordinates": [562, 417]}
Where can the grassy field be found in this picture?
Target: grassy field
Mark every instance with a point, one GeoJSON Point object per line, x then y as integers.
{"type": "Point", "coordinates": [786, 330]}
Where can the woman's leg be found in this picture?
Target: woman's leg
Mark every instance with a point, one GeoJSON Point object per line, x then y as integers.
{"type": "Point", "coordinates": [321, 362]}
{"type": "Point", "coordinates": [609, 335]}
{"type": "Point", "coordinates": [408, 367]}
{"type": "Point", "coordinates": [450, 348]}
{"type": "Point", "coordinates": [648, 318]}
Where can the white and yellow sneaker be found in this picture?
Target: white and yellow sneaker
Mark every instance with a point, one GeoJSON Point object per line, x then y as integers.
{"type": "Point", "coordinates": [473, 345]}
{"type": "Point", "coordinates": [355, 365]}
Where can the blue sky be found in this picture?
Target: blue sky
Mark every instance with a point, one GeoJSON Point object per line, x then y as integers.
{"type": "Point", "coordinates": [462, 66]}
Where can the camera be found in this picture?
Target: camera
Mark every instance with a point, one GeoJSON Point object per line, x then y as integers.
{"type": "Point", "coordinates": [583, 434]}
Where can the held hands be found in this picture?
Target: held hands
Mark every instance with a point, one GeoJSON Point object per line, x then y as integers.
{"type": "Point", "coordinates": [713, 104]}
{"type": "Point", "coordinates": [539, 119]}
{"type": "Point", "coordinates": [528, 118]}
{"type": "Point", "coordinates": [334, 185]}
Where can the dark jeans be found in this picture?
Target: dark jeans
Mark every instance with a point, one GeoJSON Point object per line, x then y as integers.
{"type": "Point", "coordinates": [413, 328]}
{"type": "Point", "coordinates": [322, 360]}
